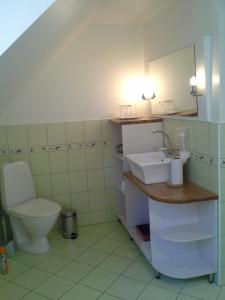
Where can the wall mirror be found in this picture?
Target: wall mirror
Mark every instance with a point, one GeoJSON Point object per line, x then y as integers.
{"type": "Point", "coordinates": [170, 76]}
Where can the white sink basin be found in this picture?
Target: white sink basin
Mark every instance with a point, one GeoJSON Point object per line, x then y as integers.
{"type": "Point", "coordinates": [151, 167]}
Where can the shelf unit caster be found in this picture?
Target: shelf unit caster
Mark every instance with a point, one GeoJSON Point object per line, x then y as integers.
{"type": "Point", "coordinates": [211, 278]}
{"type": "Point", "coordinates": [157, 275]}
{"type": "Point", "coordinates": [118, 220]}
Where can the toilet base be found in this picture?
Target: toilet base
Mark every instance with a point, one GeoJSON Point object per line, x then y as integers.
{"type": "Point", "coordinates": [35, 246]}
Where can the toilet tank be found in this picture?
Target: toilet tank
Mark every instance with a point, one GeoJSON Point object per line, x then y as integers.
{"type": "Point", "coordinates": [16, 183]}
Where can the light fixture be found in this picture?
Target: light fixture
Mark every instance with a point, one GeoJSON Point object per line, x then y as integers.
{"type": "Point", "coordinates": [148, 98]}
{"type": "Point", "coordinates": [194, 87]}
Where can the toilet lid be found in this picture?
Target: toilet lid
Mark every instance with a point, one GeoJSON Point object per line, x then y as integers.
{"type": "Point", "coordinates": [36, 208]}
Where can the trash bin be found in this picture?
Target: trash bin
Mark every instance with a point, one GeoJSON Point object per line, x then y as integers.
{"type": "Point", "coordinates": [69, 224]}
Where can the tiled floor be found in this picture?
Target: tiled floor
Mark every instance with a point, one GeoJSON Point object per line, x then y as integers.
{"type": "Point", "coordinates": [101, 264]}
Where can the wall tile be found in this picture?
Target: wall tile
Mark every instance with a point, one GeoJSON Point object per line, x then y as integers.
{"type": "Point", "coordinates": [97, 200]}
{"type": "Point", "coordinates": [63, 200]}
{"type": "Point", "coordinates": [107, 156]}
{"type": "Point", "coordinates": [190, 170]}
{"type": "Point", "coordinates": [77, 160]}
{"type": "Point", "coordinates": [17, 136]}
{"type": "Point", "coordinates": [3, 137]}
{"type": "Point", "coordinates": [110, 198]}
{"type": "Point", "coordinates": [58, 161]}
{"type": "Point", "coordinates": [214, 180]}
{"type": "Point", "coordinates": [106, 130]}
{"type": "Point", "coordinates": [92, 131]}
{"type": "Point", "coordinates": [39, 163]}
{"type": "Point", "coordinates": [203, 175]}
{"type": "Point", "coordinates": [175, 124]}
{"type": "Point", "coordinates": [95, 179]}
{"type": "Point", "coordinates": [60, 184]}
{"type": "Point", "coordinates": [94, 158]}
{"type": "Point", "coordinates": [222, 251]}
{"type": "Point", "coordinates": [222, 184]}
{"type": "Point", "coordinates": [214, 139]}
{"type": "Point", "coordinates": [80, 202]}
{"type": "Point", "coordinates": [202, 137]}
{"type": "Point", "coordinates": [108, 178]}
{"type": "Point", "coordinates": [19, 157]}
{"type": "Point", "coordinates": [110, 215]}
{"type": "Point", "coordinates": [222, 218]}
{"type": "Point", "coordinates": [83, 219]}
{"type": "Point", "coordinates": [191, 126]}
{"type": "Point", "coordinates": [98, 217]}
{"type": "Point", "coordinates": [222, 140]}
{"type": "Point", "coordinates": [56, 133]}
{"type": "Point", "coordinates": [78, 181]}
{"type": "Point", "coordinates": [75, 132]}
{"type": "Point", "coordinates": [43, 185]}
{"type": "Point", "coordinates": [37, 135]}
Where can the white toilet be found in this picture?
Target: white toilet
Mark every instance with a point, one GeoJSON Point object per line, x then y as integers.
{"type": "Point", "coordinates": [31, 218]}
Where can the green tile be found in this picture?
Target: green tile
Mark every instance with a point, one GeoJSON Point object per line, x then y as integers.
{"type": "Point", "coordinates": [80, 202]}
{"type": "Point", "coordinates": [202, 137]}
{"type": "Point", "coordinates": [100, 229]}
{"type": "Point", "coordinates": [221, 224]}
{"type": "Point", "coordinates": [94, 158]}
{"type": "Point", "coordinates": [167, 127]}
{"type": "Point", "coordinates": [221, 276]}
{"type": "Point", "coordinates": [222, 250]}
{"type": "Point", "coordinates": [16, 268]}
{"type": "Point", "coordinates": [3, 137]}
{"type": "Point", "coordinates": [191, 126]}
{"type": "Point", "coordinates": [42, 185]}
{"type": "Point", "coordinates": [107, 245]}
{"type": "Point", "coordinates": [110, 198]}
{"type": "Point", "coordinates": [78, 181]}
{"type": "Point", "coordinates": [58, 161]}
{"type": "Point", "coordinates": [98, 217]}
{"type": "Point", "coordinates": [3, 282]}
{"type": "Point", "coordinates": [17, 136]}
{"type": "Point", "coordinates": [95, 179]}
{"type": "Point", "coordinates": [140, 271]}
{"type": "Point", "coordinates": [81, 292]}
{"type": "Point", "coordinates": [92, 131]}
{"type": "Point", "coordinates": [75, 132]}
{"type": "Point", "coordinates": [126, 288]}
{"type": "Point", "coordinates": [99, 279]}
{"type": "Point", "coordinates": [190, 170]}
{"type": "Point", "coordinates": [106, 130]}
{"type": "Point", "coordinates": [77, 159]}
{"type": "Point", "coordinates": [110, 215]}
{"type": "Point", "coordinates": [71, 250]}
{"type": "Point", "coordinates": [222, 186]}
{"type": "Point", "coordinates": [12, 292]}
{"type": "Point", "coordinates": [128, 250]}
{"type": "Point", "coordinates": [60, 184]}
{"type": "Point", "coordinates": [200, 288]}
{"type": "Point", "coordinates": [214, 179]}
{"type": "Point", "coordinates": [37, 134]}
{"type": "Point", "coordinates": [39, 163]}
{"type": "Point", "coordinates": [203, 175]}
{"type": "Point", "coordinates": [19, 157]}
{"type": "Point", "coordinates": [108, 178]}
{"type": "Point", "coordinates": [87, 239]}
{"type": "Point", "coordinates": [56, 244]}
{"type": "Point", "coordinates": [108, 297]}
{"type": "Point", "coordinates": [115, 264]}
{"type": "Point", "coordinates": [222, 294]}
{"type": "Point", "coordinates": [175, 285]}
{"type": "Point", "coordinates": [119, 234]}
{"type": "Point", "coordinates": [97, 200]}
{"type": "Point", "coordinates": [83, 219]}
{"type": "Point", "coordinates": [222, 140]}
{"type": "Point", "coordinates": [29, 259]}
{"type": "Point", "coordinates": [157, 293]}
{"type": "Point", "coordinates": [214, 139]}
{"type": "Point", "coordinates": [56, 133]}
{"type": "Point", "coordinates": [75, 271]}
{"type": "Point", "coordinates": [54, 287]}
{"type": "Point", "coordinates": [107, 157]}
{"type": "Point", "coordinates": [185, 297]}
{"type": "Point", "coordinates": [32, 278]}
{"type": "Point", "coordinates": [52, 263]}
{"type": "Point", "coordinates": [34, 296]}
{"type": "Point", "coordinates": [63, 200]}
{"type": "Point", "coordinates": [92, 257]}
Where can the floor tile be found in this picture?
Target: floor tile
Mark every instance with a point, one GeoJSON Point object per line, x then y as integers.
{"type": "Point", "coordinates": [34, 296]}
{"type": "Point", "coordinates": [28, 258]}
{"type": "Point", "coordinates": [222, 294]}
{"type": "Point", "coordinates": [92, 257]}
{"type": "Point", "coordinates": [85, 229]}
{"type": "Point", "coordinates": [126, 288]}
{"type": "Point", "coordinates": [128, 250]}
{"type": "Point", "coordinates": [115, 264]}
{"type": "Point", "coordinates": [169, 283]}
{"type": "Point", "coordinates": [200, 288]}
{"type": "Point", "coordinates": [108, 297]}
{"type": "Point", "coordinates": [32, 278]}
{"type": "Point", "coordinates": [100, 230]}
{"type": "Point", "coordinates": [119, 234]}
{"type": "Point", "coordinates": [99, 279]}
{"type": "Point", "coordinates": [107, 245]}
{"type": "Point", "coordinates": [185, 297]}
{"type": "Point", "coordinates": [82, 293]}
{"type": "Point", "coordinates": [54, 287]}
{"type": "Point", "coordinates": [3, 282]}
{"type": "Point", "coordinates": [71, 250]}
{"type": "Point", "coordinates": [157, 293]}
{"type": "Point", "coordinates": [140, 271]}
{"type": "Point", "coordinates": [56, 244]}
{"type": "Point", "coordinates": [12, 292]}
{"type": "Point", "coordinates": [15, 269]}
{"type": "Point", "coordinates": [88, 239]}
{"type": "Point", "coordinates": [75, 271]}
{"type": "Point", "coordinates": [53, 263]}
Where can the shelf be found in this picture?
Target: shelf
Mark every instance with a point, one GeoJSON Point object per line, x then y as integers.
{"type": "Point", "coordinates": [144, 246]}
{"type": "Point", "coordinates": [184, 268]}
{"type": "Point", "coordinates": [183, 233]}
{"type": "Point", "coordinates": [118, 155]}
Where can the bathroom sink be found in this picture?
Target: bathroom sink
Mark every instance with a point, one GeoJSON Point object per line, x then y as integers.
{"type": "Point", "coordinates": [150, 167]}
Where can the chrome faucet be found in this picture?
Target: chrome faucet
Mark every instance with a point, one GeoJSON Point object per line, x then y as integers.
{"type": "Point", "coordinates": [166, 149]}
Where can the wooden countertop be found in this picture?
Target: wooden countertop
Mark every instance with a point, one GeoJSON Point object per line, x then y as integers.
{"type": "Point", "coordinates": [141, 120]}
{"type": "Point", "coordinates": [161, 192]}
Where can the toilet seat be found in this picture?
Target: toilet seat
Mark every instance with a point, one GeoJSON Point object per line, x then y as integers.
{"type": "Point", "coordinates": [35, 209]}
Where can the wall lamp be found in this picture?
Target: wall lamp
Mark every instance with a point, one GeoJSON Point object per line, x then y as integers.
{"type": "Point", "coordinates": [148, 98]}
{"type": "Point", "coordinates": [194, 87]}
